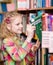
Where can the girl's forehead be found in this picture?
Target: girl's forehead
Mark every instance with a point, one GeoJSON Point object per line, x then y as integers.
{"type": "Point", "coordinates": [16, 19]}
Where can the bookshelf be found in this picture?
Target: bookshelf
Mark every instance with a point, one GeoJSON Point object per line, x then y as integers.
{"type": "Point", "coordinates": [44, 51]}
{"type": "Point", "coordinates": [44, 8]}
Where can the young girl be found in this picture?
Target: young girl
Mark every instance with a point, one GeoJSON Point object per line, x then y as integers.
{"type": "Point", "coordinates": [15, 51]}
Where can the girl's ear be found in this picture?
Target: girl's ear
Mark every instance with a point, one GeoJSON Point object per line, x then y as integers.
{"type": "Point", "coordinates": [9, 26]}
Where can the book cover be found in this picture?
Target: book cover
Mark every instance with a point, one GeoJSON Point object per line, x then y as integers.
{"type": "Point", "coordinates": [38, 23]}
{"type": "Point", "coordinates": [32, 17]}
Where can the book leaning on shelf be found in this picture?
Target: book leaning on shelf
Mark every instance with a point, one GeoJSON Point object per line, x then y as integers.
{"type": "Point", "coordinates": [37, 21]}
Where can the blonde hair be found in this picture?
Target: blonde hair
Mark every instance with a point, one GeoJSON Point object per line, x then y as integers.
{"type": "Point", "coordinates": [4, 31]}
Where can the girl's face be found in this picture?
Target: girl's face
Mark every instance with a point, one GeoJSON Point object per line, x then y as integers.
{"type": "Point", "coordinates": [17, 25]}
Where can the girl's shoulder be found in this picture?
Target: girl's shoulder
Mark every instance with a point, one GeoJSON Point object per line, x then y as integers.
{"type": "Point", "coordinates": [10, 41]}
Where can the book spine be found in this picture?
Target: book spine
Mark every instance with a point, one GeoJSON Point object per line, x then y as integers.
{"type": "Point", "coordinates": [47, 3]}
{"type": "Point", "coordinates": [49, 23]}
{"type": "Point", "coordinates": [1, 18]}
{"type": "Point", "coordinates": [44, 22]}
{"type": "Point", "coordinates": [0, 8]}
{"type": "Point", "coordinates": [51, 2]}
{"type": "Point", "coordinates": [35, 3]}
{"type": "Point", "coordinates": [52, 22]}
{"type": "Point", "coordinates": [39, 3]}
{"type": "Point", "coordinates": [43, 3]}
{"type": "Point", "coordinates": [4, 7]}
{"type": "Point", "coordinates": [21, 4]}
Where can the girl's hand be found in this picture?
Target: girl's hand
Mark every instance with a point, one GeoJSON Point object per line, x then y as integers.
{"type": "Point", "coordinates": [35, 46]}
{"type": "Point", "coordinates": [30, 31]}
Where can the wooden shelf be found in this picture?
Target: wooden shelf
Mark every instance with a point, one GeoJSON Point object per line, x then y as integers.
{"type": "Point", "coordinates": [45, 8]}
{"type": "Point", "coordinates": [29, 10]}
{"type": "Point", "coordinates": [5, 1]}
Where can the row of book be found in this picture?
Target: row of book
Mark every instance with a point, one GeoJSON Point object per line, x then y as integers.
{"type": "Point", "coordinates": [25, 4]}
{"type": "Point", "coordinates": [47, 22]}
{"type": "Point", "coordinates": [30, 4]}
{"type": "Point", "coordinates": [7, 7]}
{"type": "Point", "coordinates": [47, 58]}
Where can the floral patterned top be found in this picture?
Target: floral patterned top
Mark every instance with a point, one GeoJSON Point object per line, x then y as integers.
{"type": "Point", "coordinates": [17, 53]}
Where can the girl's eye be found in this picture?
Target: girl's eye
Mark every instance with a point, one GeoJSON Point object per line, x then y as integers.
{"type": "Point", "coordinates": [18, 24]}
{"type": "Point", "coordinates": [22, 23]}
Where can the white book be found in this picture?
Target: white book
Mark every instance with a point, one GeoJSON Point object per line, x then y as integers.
{"type": "Point", "coordinates": [21, 4]}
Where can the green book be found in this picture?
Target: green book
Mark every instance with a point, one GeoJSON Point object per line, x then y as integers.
{"type": "Point", "coordinates": [38, 23]}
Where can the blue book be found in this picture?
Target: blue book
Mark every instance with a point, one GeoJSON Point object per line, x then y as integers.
{"type": "Point", "coordinates": [1, 18]}
{"type": "Point", "coordinates": [4, 7]}
{"type": "Point", "coordinates": [43, 3]}
{"type": "Point", "coordinates": [51, 2]}
{"type": "Point", "coordinates": [39, 3]}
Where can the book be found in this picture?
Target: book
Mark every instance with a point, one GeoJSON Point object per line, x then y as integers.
{"type": "Point", "coordinates": [10, 7]}
{"type": "Point", "coordinates": [39, 3]}
{"type": "Point", "coordinates": [38, 23]}
{"type": "Point", "coordinates": [4, 8]}
{"type": "Point", "coordinates": [1, 18]}
{"type": "Point", "coordinates": [0, 8]}
{"type": "Point", "coordinates": [45, 22]}
{"type": "Point", "coordinates": [21, 4]}
{"type": "Point", "coordinates": [51, 2]}
{"type": "Point", "coordinates": [43, 3]}
{"type": "Point", "coordinates": [32, 16]}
